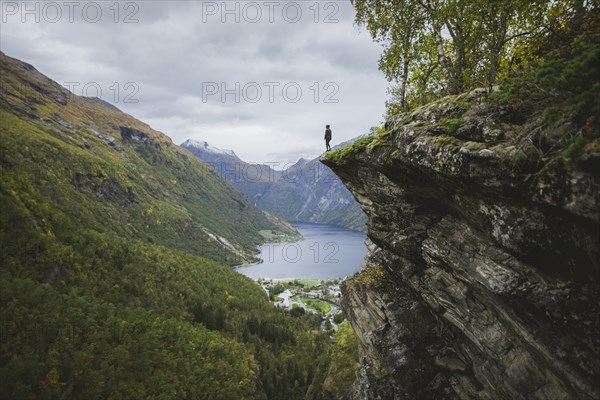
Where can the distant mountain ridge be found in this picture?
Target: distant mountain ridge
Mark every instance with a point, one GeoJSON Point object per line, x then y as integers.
{"type": "Point", "coordinates": [209, 148]}
{"type": "Point", "coordinates": [307, 191]}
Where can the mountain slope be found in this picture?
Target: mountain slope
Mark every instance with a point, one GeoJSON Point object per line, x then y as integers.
{"type": "Point", "coordinates": [253, 180]}
{"type": "Point", "coordinates": [306, 192]}
{"type": "Point", "coordinates": [108, 236]}
{"type": "Point", "coordinates": [94, 157]}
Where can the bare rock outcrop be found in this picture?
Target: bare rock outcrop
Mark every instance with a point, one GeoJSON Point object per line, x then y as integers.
{"type": "Point", "coordinates": [481, 280]}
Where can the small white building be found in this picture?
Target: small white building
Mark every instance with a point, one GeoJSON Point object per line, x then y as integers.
{"type": "Point", "coordinates": [284, 298]}
{"type": "Point", "coordinates": [334, 291]}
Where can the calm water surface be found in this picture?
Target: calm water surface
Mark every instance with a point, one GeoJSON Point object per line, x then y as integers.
{"type": "Point", "coordinates": [327, 252]}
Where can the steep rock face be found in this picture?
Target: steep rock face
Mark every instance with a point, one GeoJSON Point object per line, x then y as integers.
{"type": "Point", "coordinates": [311, 192]}
{"type": "Point", "coordinates": [481, 280]}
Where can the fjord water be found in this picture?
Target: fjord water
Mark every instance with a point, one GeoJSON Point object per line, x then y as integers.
{"type": "Point", "coordinates": [327, 252]}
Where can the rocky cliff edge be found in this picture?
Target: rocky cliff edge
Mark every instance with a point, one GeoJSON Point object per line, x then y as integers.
{"type": "Point", "coordinates": [481, 280]}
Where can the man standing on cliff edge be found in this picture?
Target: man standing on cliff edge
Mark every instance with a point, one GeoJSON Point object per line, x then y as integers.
{"type": "Point", "coordinates": [327, 137]}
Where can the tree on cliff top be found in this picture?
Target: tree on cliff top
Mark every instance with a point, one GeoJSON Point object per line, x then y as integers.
{"type": "Point", "coordinates": [434, 48]}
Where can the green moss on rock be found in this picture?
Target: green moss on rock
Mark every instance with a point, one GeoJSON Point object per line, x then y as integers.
{"type": "Point", "coordinates": [451, 124]}
{"type": "Point", "coordinates": [358, 146]}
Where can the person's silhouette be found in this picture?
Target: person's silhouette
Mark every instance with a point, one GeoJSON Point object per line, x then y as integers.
{"type": "Point", "coordinates": [327, 138]}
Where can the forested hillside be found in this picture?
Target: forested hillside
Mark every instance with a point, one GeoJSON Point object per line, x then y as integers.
{"type": "Point", "coordinates": [88, 163]}
{"type": "Point", "coordinates": [113, 281]}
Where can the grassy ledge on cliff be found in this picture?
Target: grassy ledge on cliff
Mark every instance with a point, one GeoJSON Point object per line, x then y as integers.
{"type": "Point", "coordinates": [481, 279]}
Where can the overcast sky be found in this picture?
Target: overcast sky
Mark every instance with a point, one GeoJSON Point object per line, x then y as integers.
{"type": "Point", "coordinates": [261, 78]}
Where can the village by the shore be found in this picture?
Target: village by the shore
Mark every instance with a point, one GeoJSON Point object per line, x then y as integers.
{"type": "Point", "coordinates": [311, 296]}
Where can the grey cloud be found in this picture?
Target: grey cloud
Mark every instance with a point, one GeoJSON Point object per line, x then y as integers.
{"type": "Point", "coordinates": [170, 53]}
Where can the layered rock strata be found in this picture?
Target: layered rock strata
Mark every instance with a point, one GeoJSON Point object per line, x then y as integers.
{"type": "Point", "coordinates": [481, 280]}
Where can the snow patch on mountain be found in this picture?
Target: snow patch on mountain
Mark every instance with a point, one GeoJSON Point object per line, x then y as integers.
{"type": "Point", "coordinates": [203, 145]}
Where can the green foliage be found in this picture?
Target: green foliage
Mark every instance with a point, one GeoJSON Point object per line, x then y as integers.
{"type": "Point", "coordinates": [381, 137]}
{"type": "Point", "coordinates": [297, 311]}
{"type": "Point", "coordinates": [451, 124]}
{"type": "Point", "coordinates": [178, 325]}
{"type": "Point", "coordinates": [340, 372]}
{"type": "Point", "coordinates": [109, 277]}
{"type": "Point", "coordinates": [357, 146]}
{"type": "Point", "coordinates": [567, 86]}
{"type": "Point", "coordinates": [60, 344]}
{"type": "Point", "coordinates": [574, 150]}
{"type": "Point", "coordinates": [275, 290]}
{"type": "Point", "coordinates": [317, 305]}
{"type": "Point", "coordinates": [147, 188]}
{"type": "Point", "coordinates": [274, 236]}
{"type": "Point", "coordinates": [435, 48]}
{"type": "Point", "coordinates": [338, 318]}
{"type": "Point", "coordinates": [371, 275]}
{"type": "Point", "coordinates": [307, 282]}
{"type": "Point", "coordinates": [561, 88]}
